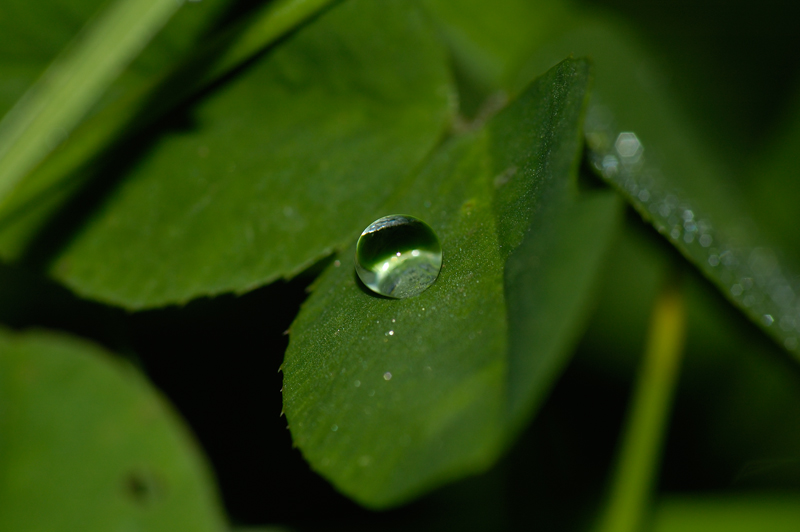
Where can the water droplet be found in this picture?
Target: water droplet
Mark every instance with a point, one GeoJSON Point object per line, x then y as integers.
{"type": "Point", "coordinates": [387, 376]}
{"type": "Point", "coordinates": [629, 147]}
{"type": "Point", "coordinates": [398, 256]}
{"type": "Point", "coordinates": [767, 320]}
{"type": "Point", "coordinates": [357, 384]}
{"type": "Point", "coordinates": [334, 428]}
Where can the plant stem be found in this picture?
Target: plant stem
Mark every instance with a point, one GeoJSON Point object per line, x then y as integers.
{"type": "Point", "coordinates": [640, 450]}
{"type": "Point", "coordinates": [52, 107]}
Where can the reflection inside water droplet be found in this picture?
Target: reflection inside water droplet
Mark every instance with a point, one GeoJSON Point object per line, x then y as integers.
{"type": "Point", "coordinates": [398, 256]}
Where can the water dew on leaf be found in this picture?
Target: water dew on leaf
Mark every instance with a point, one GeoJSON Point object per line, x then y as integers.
{"type": "Point", "coordinates": [398, 256]}
{"type": "Point", "coordinates": [753, 276]}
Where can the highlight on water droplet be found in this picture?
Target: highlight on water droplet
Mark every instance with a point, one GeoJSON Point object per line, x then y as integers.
{"type": "Point", "coordinates": [398, 256]}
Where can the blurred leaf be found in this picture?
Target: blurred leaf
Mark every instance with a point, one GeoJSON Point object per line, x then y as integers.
{"type": "Point", "coordinates": [640, 142]}
{"type": "Point", "coordinates": [38, 33]}
{"type": "Point", "coordinates": [389, 398]}
{"type": "Point", "coordinates": [774, 512]}
{"type": "Point", "coordinates": [776, 182]}
{"type": "Point", "coordinates": [737, 411]}
{"type": "Point", "coordinates": [88, 445]}
{"type": "Point", "coordinates": [491, 44]}
{"type": "Point", "coordinates": [74, 82]}
{"type": "Point", "coordinates": [282, 164]}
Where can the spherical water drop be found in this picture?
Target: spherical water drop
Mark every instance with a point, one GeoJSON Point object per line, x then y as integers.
{"type": "Point", "coordinates": [398, 256]}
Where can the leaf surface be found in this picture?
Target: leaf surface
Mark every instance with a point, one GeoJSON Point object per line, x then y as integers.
{"type": "Point", "coordinates": [674, 179]}
{"type": "Point", "coordinates": [87, 444]}
{"type": "Point", "coordinates": [280, 165]}
{"type": "Point", "coordinates": [389, 398]}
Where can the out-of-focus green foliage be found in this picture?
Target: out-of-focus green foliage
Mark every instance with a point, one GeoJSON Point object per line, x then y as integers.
{"type": "Point", "coordinates": [87, 444]}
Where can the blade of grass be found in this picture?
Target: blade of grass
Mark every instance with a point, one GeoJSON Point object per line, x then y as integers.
{"type": "Point", "coordinates": [46, 114]}
{"type": "Point", "coordinates": [640, 450]}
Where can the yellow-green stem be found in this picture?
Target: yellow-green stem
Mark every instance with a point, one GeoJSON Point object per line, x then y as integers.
{"type": "Point", "coordinates": [640, 451]}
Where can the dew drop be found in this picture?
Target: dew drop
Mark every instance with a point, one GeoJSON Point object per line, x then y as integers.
{"type": "Point", "coordinates": [398, 256]}
{"type": "Point", "coordinates": [387, 376]}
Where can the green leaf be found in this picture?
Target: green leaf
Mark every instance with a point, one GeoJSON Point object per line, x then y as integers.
{"type": "Point", "coordinates": [640, 143]}
{"type": "Point", "coordinates": [36, 38]}
{"type": "Point", "coordinates": [389, 398]}
{"type": "Point", "coordinates": [87, 444]}
{"type": "Point", "coordinates": [280, 166]}
{"type": "Point", "coordinates": [74, 82]}
{"type": "Point", "coordinates": [728, 513]}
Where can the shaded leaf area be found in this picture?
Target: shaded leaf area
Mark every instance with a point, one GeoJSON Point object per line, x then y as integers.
{"type": "Point", "coordinates": [662, 164]}
{"type": "Point", "coordinates": [641, 144]}
{"type": "Point", "coordinates": [36, 34]}
{"type": "Point", "coordinates": [388, 398]}
{"type": "Point", "coordinates": [87, 444]}
{"type": "Point", "coordinates": [739, 513]}
{"type": "Point", "coordinates": [36, 38]}
{"type": "Point", "coordinates": [735, 425]}
{"type": "Point", "coordinates": [775, 186]}
{"type": "Point", "coordinates": [489, 46]}
{"type": "Point", "coordinates": [174, 68]}
{"type": "Point", "coordinates": [279, 166]}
